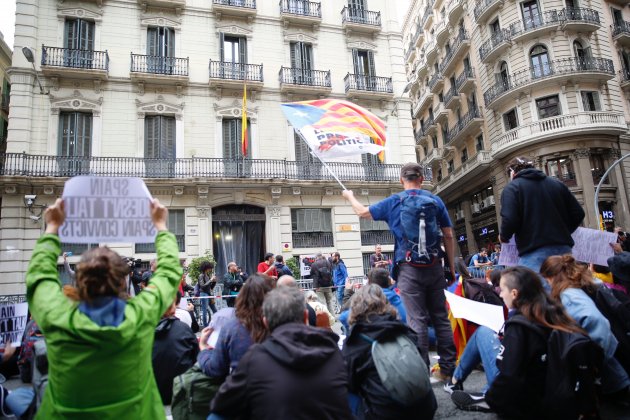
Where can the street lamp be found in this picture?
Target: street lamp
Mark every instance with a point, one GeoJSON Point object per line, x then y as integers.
{"type": "Point", "coordinates": [28, 54]}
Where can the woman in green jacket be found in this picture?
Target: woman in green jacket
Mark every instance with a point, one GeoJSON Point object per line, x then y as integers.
{"type": "Point", "coordinates": [99, 349]}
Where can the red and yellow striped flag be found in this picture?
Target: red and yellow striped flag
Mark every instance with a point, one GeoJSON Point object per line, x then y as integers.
{"type": "Point", "coordinates": [244, 142]}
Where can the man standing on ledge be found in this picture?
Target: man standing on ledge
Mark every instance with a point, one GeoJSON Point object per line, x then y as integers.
{"type": "Point", "coordinates": [418, 267]}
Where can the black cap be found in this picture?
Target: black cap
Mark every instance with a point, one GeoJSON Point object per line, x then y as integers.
{"type": "Point", "coordinates": [411, 169]}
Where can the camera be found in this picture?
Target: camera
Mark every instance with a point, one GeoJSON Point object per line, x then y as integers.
{"type": "Point", "coordinates": [29, 199]}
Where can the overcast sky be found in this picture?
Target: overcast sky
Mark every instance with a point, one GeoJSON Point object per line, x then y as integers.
{"type": "Point", "coordinates": [7, 17]}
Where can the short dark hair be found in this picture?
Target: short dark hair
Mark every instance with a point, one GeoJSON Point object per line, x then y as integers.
{"type": "Point", "coordinates": [518, 164]}
{"type": "Point", "coordinates": [268, 255]}
{"type": "Point", "coordinates": [379, 276]}
{"type": "Point", "coordinates": [483, 250]}
{"type": "Point", "coordinates": [336, 254]}
{"type": "Point", "coordinates": [206, 265]}
{"type": "Point", "coordinates": [279, 258]}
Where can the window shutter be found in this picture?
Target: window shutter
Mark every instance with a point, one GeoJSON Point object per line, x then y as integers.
{"type": "Point", "coordinates": [71, 34]}
{"type": "Point", "coordinates": [152, 41]}
{"type": "Point", "coordinates": [295, 54]}
{"type": "Point", "coordinates": [307, 57]}
{"type": "Point", "coordinates": [230, 138]}
{"type": "Point", "coordinates": [83, 138]}
{"type": "Point", "coordinates": [86, 35]}
{"type": "Point", "coordinates": [242, 50]}
{"type": "Point", "coordinates": [596, 101]}
{"type": "Point", "coordinates": [149, 137]}
{"type": "Point", "coordinates": [355, 61]}
{"type": "Point", "coordinates": [169, 42]}
{"type": "Point", "coordinates": [64, 133]}
{"type": "Point", "coordinates": [167, 140]}
{"type": "Point", "coordinates": [371, 65]}
{"type": "Point", "coordinates": [222, 45]}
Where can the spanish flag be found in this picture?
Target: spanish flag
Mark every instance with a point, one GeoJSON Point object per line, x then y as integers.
{"type": "Point", "coordinates": [244, 123]}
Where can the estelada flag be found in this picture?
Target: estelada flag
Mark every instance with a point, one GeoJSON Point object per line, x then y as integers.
{"type": "Point", "coordinates": [244, 122]}
{"type": "Point", "coordinates": [335, 128]}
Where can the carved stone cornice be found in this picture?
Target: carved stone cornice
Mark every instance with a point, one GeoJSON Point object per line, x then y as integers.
{"type": "Point", "coordinates": [582, 153]}
{"type": "Point", "coordinates": [274, 211]}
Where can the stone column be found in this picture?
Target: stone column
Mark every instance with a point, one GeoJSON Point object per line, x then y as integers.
{"type": "Point", "coordinates": [272, 229]}
{"type": "Point", "coordinates": [205, 233]}
{"type": "Point", "coordinates": [470, 237]}
{"type": "Point", "coordinates": [584, 174]}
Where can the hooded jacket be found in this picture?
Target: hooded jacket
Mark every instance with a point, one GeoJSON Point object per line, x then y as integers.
{"type": "Point", "coordinates": [539, 210]}
{"type": "Point", "coordinates": [100, 372]}
{"type": "Point", "coordinates": [297, 373]}
{"type": "Point", "coordinates": [363, 378]}
{"type": "Point", "coordinates": [174, 352]}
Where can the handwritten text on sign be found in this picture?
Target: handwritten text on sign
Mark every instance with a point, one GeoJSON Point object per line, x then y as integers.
{"type": "Point", "coordinates": [100, 209]}
{"type": "Point", "coordinates": [12, 323]}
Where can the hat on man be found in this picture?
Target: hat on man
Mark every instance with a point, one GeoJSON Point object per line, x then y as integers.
{"type": "Point", "coordinates": [619, 265]}
{"type": "Point", "coordinates": [411, 169]}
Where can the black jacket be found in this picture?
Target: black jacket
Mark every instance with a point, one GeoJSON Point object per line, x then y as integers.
{"type": "Point", "coordinates": [174, 351]}
{"type": "Point", "coordinates": [363, 379]}
{"type": "Point", "coordinates": [297, 373]}
{"type": "Point", "coordinates": [539, 210]}
{"type": "Point", "coordinates": [321, 272]}
{"type": "Point", "coordinates": [518, 390]}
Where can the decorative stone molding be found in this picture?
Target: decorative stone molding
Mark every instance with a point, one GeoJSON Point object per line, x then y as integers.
{"type": "Point", "coordinates": [297, 190]}
{"type": "Point", "coordinates": [80, 13]}
{"type": "Point", "coordinates": [299, 37]}
{"type": "Point", "coordinates": [365, 191]}
{"type": "Point", "coordinates": [160, 107]}
{"type": "Point", "coordinates": [583, 153]}
{"type": "Point", "coordinates": [10, 189]}
{"type": "Point", "coordinates": [274, 211]}
{"type": "Point", "coordinates": [329, 191]}
{"type": "Point", "coordinates": [234, 110]}
{"type": "Point", "coordinates": [76, 102]}
{"type": "Point", "coordinates": [202, 211]}
{"type": "Point", "coordinates": [236, 30]}
{"type": "Point", "coordinates": [178, 190]}
{"type": "Point", "coordinates": [493, 180]}
{"type": "Point", "coordinates": [614, 154]}
{"type": "Point", "coordinates": [202, 191]}
{"type": "Point", "coordinates": [361, 45]}
{"type": "Point", "coordinates": [176, 24]}
{"type": "Point", "coordinates": [49, 189]}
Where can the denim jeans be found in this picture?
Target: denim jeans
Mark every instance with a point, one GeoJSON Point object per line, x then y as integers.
{"type": "Point", "coordinates": [484, 347]}
{"type": "Point", "coordinates": [340, 290]}
{"type": "Point", "coordinates": [19, 400]}
{"type": "Point", "coordinates": [534, 259]}
{"type": "Point", "coordinates": [204, 309]}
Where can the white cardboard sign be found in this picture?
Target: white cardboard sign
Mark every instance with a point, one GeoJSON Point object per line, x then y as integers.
{"type": "Point", "coordinates": [305, 264]}
{"type": "Point", "coordinates": [593, 246]}
{"type": "Point", "coordinates": [107, 209]}
{"type": "Point", "coordinates": [509, 254]}
{"type": "Point", "coordinates": [480, 313]}
{"type": "Point", "coordinates": [13, 319]}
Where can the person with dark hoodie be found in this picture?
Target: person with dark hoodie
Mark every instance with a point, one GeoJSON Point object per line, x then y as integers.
{"type": "Point", "coordinates": [373, 316]}
{"type": "Point", "coordinates": [175, 350]}
{"type": "Point", "coordinates": [297, 372]}
{"type": "Point", "coordinates": [540, 211]}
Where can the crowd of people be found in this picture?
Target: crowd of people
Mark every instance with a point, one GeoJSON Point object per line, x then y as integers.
{"type": "Point", "coordinates": [275, 355]}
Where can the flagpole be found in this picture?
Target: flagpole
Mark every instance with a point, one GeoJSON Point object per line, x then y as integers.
{"type": "Point", "coordinates": [321, 160]}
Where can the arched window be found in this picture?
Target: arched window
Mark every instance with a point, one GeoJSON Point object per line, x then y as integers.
{"type": "Point", "coordinates": [503, 75]}
{"type": "Point", "coordinates": [539, 59]}
{"type": "Point", "coordinates": [582, 54]}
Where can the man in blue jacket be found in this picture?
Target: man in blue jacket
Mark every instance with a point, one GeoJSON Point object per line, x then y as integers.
{"type": "Point", "coordinates": [340, 275]}
{"type": "Point", "coordinates": [380, 276]}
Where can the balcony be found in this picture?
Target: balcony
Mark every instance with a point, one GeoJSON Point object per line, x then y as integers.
{"type": "Point", "coordinates": [304, 80]}
{"type": "Point", "coordinates": [237, 8]}
{"type": "Point", "coordinates": [360, 20]}
{"type": "Point", "coordinates": [621, 33]}
{"type": "Point", "coordinates": [485, 8]}
{"type": "Point", "coordinates": [410, 55]}
{"type": "Point", "coordinates": [465, 81]}
{"type": "Point", "coordinates": [455, 12]}
{"type": "Point", "coordinates": [422, 68]}
{"type": "Point", "coordinates": [434, 155]}
{"type": "Point", "coordinates": [535, 26]}
{"type": "Point", "coordinates": [468, 125]}
{"type": "Point", "coordinates": [436, 83]}
{"type": "Point", "coordinates": [582, 123]}
{"type": "Point", "coordinates": [556, 73]}
{"type": "Point", "coordinates": [420, 137]}
{"type": "Point", "coordinates": [375, 237]}
{"type": "Point", "coordinates": [580, 20]}
{"type": "Point", "coordinates": [441, 32]}
{"type": "Point", "coordinates": [424, 101]}
{"type": "Point", "coordinates": [301, 12]}
{"type": "Point", "coordinates": [178, 5]}
{"type": "Point", "coordinates": [624, 77]}
{"type": "Point", "coordinates": [34, 166]}
{"type": "Point", "coordinates": [498, 43]}
{"type": "Point", "coordinates": [368, 87]}
{"type": "Point", "coordinates": [5, 100]}
{"type": "Point", "coordinates": [224, 74]}
{"type": "Point", "coordinates": [430, 126]}
{"type": "Point", "coordinates": [451, 99]}
{"type": "Point", "coordinates": [427, 17]}
{"type": "Point", "coordinates": [457, 51]}
{"type": "Point", "coordinates": [158, 69]}
{"type": "Point", "coordinates": [77, 64]}
{"type": "Point", "coordinates": [431, 51]}
{"type": "Point", "coordinates": [467, 172]}
{"type": "Point", "coordinates": [418, 36]}
{"type": "Point", "coordinates": [441, 114]}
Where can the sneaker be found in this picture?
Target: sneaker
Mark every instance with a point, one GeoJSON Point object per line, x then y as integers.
{"type": "Point", "coordinates": [470, 401]}
{"type": "Point", "coordinates": [438, 376]}
{"type": "Point", "coordinates": [449, 386]}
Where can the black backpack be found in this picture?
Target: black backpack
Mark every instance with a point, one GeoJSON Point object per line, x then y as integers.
{"type": "Point", "coordinates": [573, 362]}
{"type": "Point", "coordinates": [325, 274]}
{"type": "Point", "coordinates": [481, 291]}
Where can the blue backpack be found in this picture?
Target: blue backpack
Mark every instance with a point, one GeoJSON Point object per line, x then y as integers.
{"type": "Point", "coordinates": [421, 238]}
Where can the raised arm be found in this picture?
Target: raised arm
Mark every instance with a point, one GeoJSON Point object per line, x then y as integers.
{"type": "Point", "coordinates": [361, 210]}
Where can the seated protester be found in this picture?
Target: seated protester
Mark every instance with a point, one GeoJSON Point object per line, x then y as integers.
{"type": "Point", "coordinates": [519, 378]}
{"type": "Point", "coordinates": [175, 350]}
{"type": "Point", "coordinates": [313, 301]}
{"type": "Point", "coordinates": [494, 257]}
{"type": "Point", "coordinates": [289, 281]}
{"type": "Point", "coordinates": [372, 316]}
{"type": "Point", "coordinates": [182, 314]}
{"type": "Point", "coordinates": [237, 336]}
{"type": "Point", "coordinates": [296, 373]}
{"type": "Point", "coordinates": [620, 268]}
{"type": "Point", "coordinates": [571, 284]}
{"type": "Point", "coordinates": [380, 277]}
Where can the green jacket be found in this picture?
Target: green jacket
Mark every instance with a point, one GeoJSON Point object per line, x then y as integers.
{"type": "Point", "coordinates": [100, 372]}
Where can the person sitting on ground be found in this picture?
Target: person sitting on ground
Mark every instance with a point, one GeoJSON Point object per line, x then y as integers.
{"type": "Point", "coordinates": [297, 372]}
{"type": "Point", "coordinates": [380, 277]}
{"type": "Point", "coordinates": [619, 265]}
{"type": "Point", "coordinates": [237, 336]}
{"type": "Point", "coordinates": [373, 316]}
{"type": "Point", "coordinates": [324, 318]}
{"type": "Point", "coordinates": [104, 337]}
{"type": "Point", "coordinates": [514, 365]}
{"type": "Point", "coordinates": [289, 281]}
{"type": "Point", "coordinates": [571, 285]}
{"type": "Point", "coordinates": [175, 350]}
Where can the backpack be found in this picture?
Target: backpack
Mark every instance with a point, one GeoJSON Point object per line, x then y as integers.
{"type": "Point", "coordinates": [401, 369]}
{"type": "Point", "coordinates": [421, 236]}
{"type": "Point", "coordinates": [325, 274]}
{"type": "Point", "coordinates": [573, 362]}
{"type": "Point", "coordinates": [480, 291]}
{"type": "Point", "coordinates": [26, 357]}
{"type": "Point", "coordinates": [192, 393]}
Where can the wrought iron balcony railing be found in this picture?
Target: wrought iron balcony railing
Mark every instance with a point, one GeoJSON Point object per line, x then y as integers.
{"type": "Point", "coordinates": [580, 14]}
{"type": "Point", "coordinates": [553, 68]}
{"type": "Point", "coordinates": [171, 66]}
{"type": "Point", "coordinates": [76, 59]}
{"type": "Point", "coordinates": [468, 73]}
{"type": "Point", "coordinates": [452, 92]}
{"type": "Point", "coordinates": [301, 8]}
{"type": "Point", "coordinates": [361, 16]}
{"type": "Point", "coordinates": [248, 4]}
{"type": "Point", "coordinates": [369, 83]}
{"type": "Point", "coordinates": [375, 237]}
{"type": "Point", "coordinates": [621, 27]}
{"type": "Point", "coordinates": [457, 42]}
{"type": "Point", "coordinates": [435, 79]}
{"type": "Point", "coordinates": [305, 77]}
{"type": "Point", "coordinates": [22, 164]}
{"type": "Point", "coordinates": [482, 6]}
{"type": "Point", "coordinates": [428, 11]}
{"type": "Point", "coordinates": [236, 71]}
{"type": "Point", "coordinates": [312, 239]}
{"type": "Point", "coordinates": [567, 178]}
{"type": "Point", "coordinates": [541, 20]}
{"type": "Point", "coordinates": [495, 40]}
{"type": "Point", "coordinates": [462, 123]}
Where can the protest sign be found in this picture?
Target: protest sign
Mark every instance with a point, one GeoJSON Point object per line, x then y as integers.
{"type": "Point", "coordinates": [593, 246]}
{"type": "Point", "coordinates": [305, 264]}
{"type": "Point", "coordinates": [509, 254]}
{"type": "Point", "coordinates": [107, 209]}
{"type": "Point", "coordinates": [480, 313]}
{"type": "Point", "coordinates": [13, 318]}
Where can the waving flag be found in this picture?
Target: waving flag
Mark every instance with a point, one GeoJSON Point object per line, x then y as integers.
{"type": "Point", "coordinates": [335, 128]}
{"type": "Point", "coordinates": [244, 123]}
